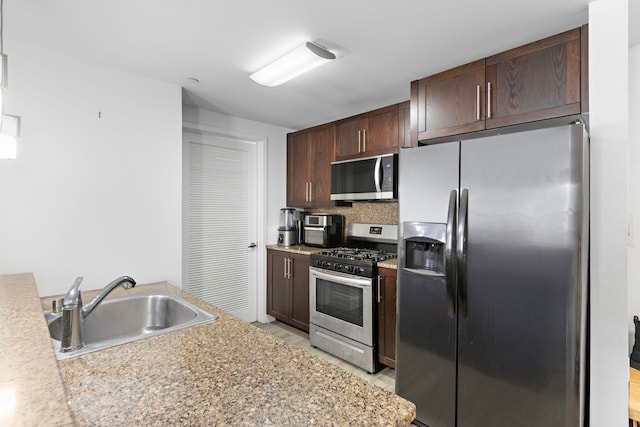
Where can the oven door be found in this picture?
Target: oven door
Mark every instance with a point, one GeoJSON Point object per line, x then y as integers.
{"type": "Point", "coordinates": [342, 303]}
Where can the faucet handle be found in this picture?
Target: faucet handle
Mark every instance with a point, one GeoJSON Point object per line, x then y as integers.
{"type": "Point", "coordinates": [73, 296]}
{"type": "Point", "coordinates": [56, 306]}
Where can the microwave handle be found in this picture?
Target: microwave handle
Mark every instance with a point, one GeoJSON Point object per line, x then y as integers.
{"type": "Point", "coordinates": [376, 174]}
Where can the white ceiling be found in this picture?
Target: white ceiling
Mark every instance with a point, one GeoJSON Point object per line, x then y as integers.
{"type": "Point", "coordinates": [381, 45]}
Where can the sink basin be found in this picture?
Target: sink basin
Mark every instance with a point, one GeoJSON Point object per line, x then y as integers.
{"type": "Point", "coordinates": [129, 318]}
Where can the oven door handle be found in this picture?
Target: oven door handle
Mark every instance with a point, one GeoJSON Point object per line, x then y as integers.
{"type": "Point", "coordinates": [341, 278]}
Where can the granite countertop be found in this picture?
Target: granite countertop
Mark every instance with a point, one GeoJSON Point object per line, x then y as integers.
{"type": "Point", "coordinates": [390, 263]}
{"type": "Point", "coordinates": [31, 390]}
{"type": "Point", "coordinates": [296, 249]}
{"type": "Point", "coordinates": [227, 372]}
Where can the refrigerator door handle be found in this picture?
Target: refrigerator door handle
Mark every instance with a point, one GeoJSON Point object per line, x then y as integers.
{"type": "Point", "coordinates": [461, 255]}
{"type": "Point", "coordinates": [450, 246]}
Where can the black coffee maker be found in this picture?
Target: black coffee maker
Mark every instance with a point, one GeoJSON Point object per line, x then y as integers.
{"type": "Point", "coordinates": [635, 354]}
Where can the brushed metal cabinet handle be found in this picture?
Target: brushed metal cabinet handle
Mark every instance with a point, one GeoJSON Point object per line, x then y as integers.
{"type": "Point", "coordinates": [379, 288]}
{"type": "Point", "coordinates": [284, 272]}
{"type": "Point", "coordinates": [364, 140]}
{"type": "Point", "coordinates": [358, 140]}
{"type": "Point", "coordinates": [477, 102]}
{"type": "Point", "coordinates": [488, 100]}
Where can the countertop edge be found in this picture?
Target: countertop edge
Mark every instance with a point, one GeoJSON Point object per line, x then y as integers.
{"type": "Point", "coordinates": [295, 249]}
{"type": "Point", "coordinates": [30, 381]}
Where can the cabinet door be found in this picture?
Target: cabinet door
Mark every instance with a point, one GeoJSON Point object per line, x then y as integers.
{"type": "Point", "coordinates": [300, 291]}
{"type": "Point", "coordinates": [404, 126]}
{"type": "Point", "coordinates": [322, 143]}
{"type": "Point", "coordinates": [349, 139]}
{"type": "Point", "coordinates": [537, 81]}
{"type": "Point", "coordinates": [387, 316]}
{"type": "Point", "coordinates": [298, 170]}
{"type": "Point", "coordinates": [450, 103]}
{"type": "Point", "coordinates": [381, 133]}
{"type": "Point", "coordinates": [278, 300]}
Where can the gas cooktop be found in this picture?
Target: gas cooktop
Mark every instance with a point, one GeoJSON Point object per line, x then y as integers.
{"type": "Point", "coordinates": [360, 254]}
{"type": "Point", "coordinates": [370, 244]}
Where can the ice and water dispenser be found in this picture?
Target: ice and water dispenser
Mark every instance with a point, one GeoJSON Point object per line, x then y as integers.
{"type": "Point", "coordinates": [424, 246]}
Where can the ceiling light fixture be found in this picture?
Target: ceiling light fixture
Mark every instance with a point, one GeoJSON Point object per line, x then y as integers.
{"type": "Point", "coordinates": [295, 63]}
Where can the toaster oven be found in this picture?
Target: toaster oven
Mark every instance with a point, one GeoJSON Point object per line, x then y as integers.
{"type": "Point", "coordinates": [323, 230]}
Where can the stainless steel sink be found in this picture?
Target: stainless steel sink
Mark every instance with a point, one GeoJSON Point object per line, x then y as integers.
{"type": "Point", "coordinates": [129, 318]}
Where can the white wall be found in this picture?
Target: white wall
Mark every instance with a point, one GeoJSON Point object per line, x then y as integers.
{"type": "Point", "coordinates": [274, 182]}
{"type": "Point", "coordinates": [96, 188]}
{"type": "Point", "coordinates": [634, 191]}
{"type": "Point", "coordinates": [609, 132]}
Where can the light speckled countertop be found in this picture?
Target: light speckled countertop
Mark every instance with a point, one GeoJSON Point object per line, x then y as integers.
{"type": "Point", "coordinates": [31, 390]}
{"type": "Point", "coordinates": [390, 263]}
{"type": "Point", "coordinates": [226, 372]}
{"type": "Point", "coordinates": [296, 249]}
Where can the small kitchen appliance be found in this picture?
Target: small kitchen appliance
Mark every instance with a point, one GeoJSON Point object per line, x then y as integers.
{"type": "Point", "coordinates": [342, 283]}
{"type": "Point", "coordinates": [288, 231]}
{"type": "Point", "coordinates": [369, 178]}
{"type": "Point", "coordinates": [323, 230]}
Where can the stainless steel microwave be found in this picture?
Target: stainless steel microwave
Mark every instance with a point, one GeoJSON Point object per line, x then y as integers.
{"type": "Point", "coordinates": [369, 178]}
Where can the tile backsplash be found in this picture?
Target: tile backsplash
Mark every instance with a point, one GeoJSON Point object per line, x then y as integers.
{"type": "Point", "coordinates": [364, 212]}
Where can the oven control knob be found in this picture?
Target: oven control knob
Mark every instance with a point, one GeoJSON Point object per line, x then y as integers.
{"type": "Point", "coordinates": [338, 267]}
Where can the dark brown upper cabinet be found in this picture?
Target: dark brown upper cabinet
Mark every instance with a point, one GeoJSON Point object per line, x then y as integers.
{"type": "Point", "coordinates": [381, 131]}
{"type": "Point", "coordinates": [537, 81]}
{"type": "Point", "coordinates": [309, 156]}
{"type": "Point", "coordinates": [450, 102]}
{"type": "Point", "coordinates": [540, 80]}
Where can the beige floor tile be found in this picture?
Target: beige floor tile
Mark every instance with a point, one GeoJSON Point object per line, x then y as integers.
{"type": "Point", "coordinates": [384, 378]}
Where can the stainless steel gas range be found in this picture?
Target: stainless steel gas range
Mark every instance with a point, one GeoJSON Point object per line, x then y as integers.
{"type": "Point", "coordinates": [342, 284]}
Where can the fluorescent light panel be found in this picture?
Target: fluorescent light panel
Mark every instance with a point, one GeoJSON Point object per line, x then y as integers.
{"type": "Point", "coordinates": [295, 63]}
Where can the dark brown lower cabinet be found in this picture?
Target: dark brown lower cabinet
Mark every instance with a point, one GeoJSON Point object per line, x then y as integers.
{"type": "Point", "coordinates": [288, 288]}
{"type": "Point", "coordinates": [387, 316]}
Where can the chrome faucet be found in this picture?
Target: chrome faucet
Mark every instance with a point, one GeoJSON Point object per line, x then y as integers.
{"type": "Point", "coordinates": [73, 312]}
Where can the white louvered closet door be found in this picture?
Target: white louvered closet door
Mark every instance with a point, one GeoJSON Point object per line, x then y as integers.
{"type": "Point", "coordinates": [220, 212]}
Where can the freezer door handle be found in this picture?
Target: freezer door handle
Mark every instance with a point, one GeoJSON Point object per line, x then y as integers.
{"type": "Point", "coordinates": [461, 255]}
{"type": "Point", "coordinates": [449, 258]}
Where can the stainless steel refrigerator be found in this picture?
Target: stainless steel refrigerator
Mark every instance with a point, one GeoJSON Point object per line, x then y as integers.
{"type": "Point", "coordinates": [492, 279]}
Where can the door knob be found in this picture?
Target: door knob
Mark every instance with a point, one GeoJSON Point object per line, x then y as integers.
{"type": "Point", "coordinates": [252, 245]}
